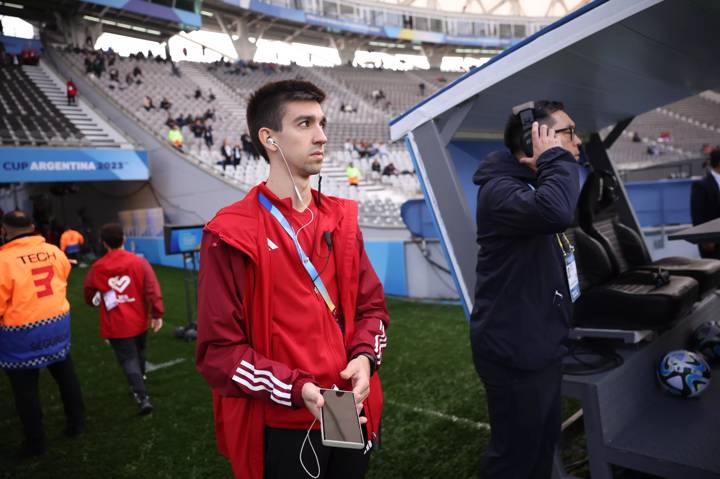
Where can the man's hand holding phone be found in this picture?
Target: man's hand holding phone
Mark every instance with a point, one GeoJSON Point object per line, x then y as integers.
{"type": "Point", "coordinates": [543, 138]}
{"type": "Point", "coordinates": [358, 372]}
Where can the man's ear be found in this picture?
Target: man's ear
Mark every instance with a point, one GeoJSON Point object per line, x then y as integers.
{"type": "Point", "coordinates": [264, 133]}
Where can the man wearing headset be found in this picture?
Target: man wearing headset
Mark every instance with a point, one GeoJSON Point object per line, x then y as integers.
{"type": "Point", "coordinates": [288, 303]}
{"type": "Point", "coordinates": [526, 284]}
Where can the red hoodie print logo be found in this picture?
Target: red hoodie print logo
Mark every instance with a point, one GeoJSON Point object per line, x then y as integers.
{"type": "Point", "coordinates": [120, 284]}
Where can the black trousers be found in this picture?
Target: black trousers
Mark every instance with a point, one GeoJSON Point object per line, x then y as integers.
{"type": "Point", "coordinates": [525, 420]}
{"type": "Point", "coordinates": [130, 353]}
{"type": "Point", "coordinates": [24, 383]}
{"type": "Point", "coordinates": [282, 457]}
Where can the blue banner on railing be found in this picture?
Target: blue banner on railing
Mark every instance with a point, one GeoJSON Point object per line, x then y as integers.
{"type": "Point", "coordinates": [41, 165]}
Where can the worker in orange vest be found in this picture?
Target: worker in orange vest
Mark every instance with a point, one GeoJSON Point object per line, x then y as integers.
{"type": "Point", "coordinates": [35, 327]}
{"type": "Point", "coordinates": [70, 243]}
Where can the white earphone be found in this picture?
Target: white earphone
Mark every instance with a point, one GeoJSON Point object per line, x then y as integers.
{"type": "Point", "coordinates": [271, 141]}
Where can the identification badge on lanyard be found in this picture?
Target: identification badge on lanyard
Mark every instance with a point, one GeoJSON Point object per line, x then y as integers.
{"type": "Point", "coordinates": [572, 276]}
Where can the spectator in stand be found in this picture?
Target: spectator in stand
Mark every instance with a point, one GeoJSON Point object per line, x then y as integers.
{"type": "Point", "coordinates": [208, 137]}
{"type": "Point", "coordinates": [348, 146]}
{"type": "Point", "coordinates": [247, 146]}
{"type": "Point", "coordinates": [198, 130]}
{"type": "Point", "coordinates": [375, 169]}
{"type": "Point", "coordinates": [353, 175]}
{"type": "Point", "coordinates": [180, 121]}
{"type": "Point", "coordinates": [421, 86]}
{"type": "Point", "coordinates": [71, 92]}
{"type": "Point", "coordinates": [211, 96]}
{"type": "Point", "coordinates": [198, 94]}
{"type": "Point", "coordinates": [98, 66]}
{"type": "Point", "coordinates": [226, 150]}
{"type": "Point", "coordinates": [383, 150]}
{"type": "Point", "coordinates": [169, 122]}
{"type": "Point", "coordinates": [165, 104]}
{"type": "Point", "coordinates": [148, 103]}
{"type": "Point", "coordinates": [129, 79]}
{"type": "Point", "coordinates": [237, 154]}
{"type": "Point", "coordinates": [390, 170]}
{"type": "Point", "coordinates": [114, 74]}
{"type": "Point", "coordinates": [137, 74]}
{"type": "Point", "coordinates": [175, 137]}
{"type": "Point", "coordinates": [209, 114]}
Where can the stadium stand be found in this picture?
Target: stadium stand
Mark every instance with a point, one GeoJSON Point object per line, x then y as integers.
{"type": "Point", "coordinates": [27, 117]}
{"type": "Point", "coordinates": [383, 194]}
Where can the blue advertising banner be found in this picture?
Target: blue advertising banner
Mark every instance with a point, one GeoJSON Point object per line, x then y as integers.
{"type": "Point", "coordinates": [41, 165]}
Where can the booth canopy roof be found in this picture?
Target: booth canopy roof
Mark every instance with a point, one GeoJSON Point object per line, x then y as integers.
{"type": "Point", "coordinates": [609, 61]}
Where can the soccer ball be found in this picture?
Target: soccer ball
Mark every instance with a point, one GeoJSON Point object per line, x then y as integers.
{"type": "Point", "coordinates": [706, 340]}
{"type": "Point", "coordinates": [683, 373]}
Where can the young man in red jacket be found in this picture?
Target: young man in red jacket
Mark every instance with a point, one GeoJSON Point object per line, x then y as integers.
{"type": "Point", "coordinates": [127, 291]}
{"type": "Point", "coordinates": [288, 303]}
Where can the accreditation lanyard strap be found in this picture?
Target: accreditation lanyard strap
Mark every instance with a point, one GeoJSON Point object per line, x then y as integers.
{"type": "Point", "coordinates": [307, 264]}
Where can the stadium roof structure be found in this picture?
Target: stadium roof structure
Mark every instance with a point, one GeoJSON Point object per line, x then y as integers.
{"type": "Point", "coordinates": [608, 62]}
{"type": "Point", "coordinates": [515, 8]}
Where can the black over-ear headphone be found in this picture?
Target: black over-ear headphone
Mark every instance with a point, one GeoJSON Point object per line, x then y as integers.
{"type": "Point", "coordinates": [525, 111]}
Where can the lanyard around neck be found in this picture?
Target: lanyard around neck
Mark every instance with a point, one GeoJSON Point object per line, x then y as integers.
{"type": "Point", "coordinates": [307, 264]}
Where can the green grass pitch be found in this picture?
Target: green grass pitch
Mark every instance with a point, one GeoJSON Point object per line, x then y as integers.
{"type": "Point", "coordinates": [433, 425]}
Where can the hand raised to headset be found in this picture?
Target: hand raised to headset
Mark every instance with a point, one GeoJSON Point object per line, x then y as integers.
{"type": "Point", "coordinates": [543, 138]}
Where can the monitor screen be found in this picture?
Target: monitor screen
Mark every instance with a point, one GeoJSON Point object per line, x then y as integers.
{"type": "Point", "coordinates": [182, 239]}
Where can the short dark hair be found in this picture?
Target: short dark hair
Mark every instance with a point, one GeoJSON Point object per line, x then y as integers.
{"type": "Point", "coordinates": [715, 158]}
{"type": "Point", "coordinates": [16, 219]}
{"type": "Point", "coordinates": [112, 235]}
{"type": "Point", "coordinates": [267, 106]}
{"type": "Point", "coordinates": [513, 128]}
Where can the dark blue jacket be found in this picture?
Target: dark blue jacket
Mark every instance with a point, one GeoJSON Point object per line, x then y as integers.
{"type": "Point", "coordinates": [522, 304]}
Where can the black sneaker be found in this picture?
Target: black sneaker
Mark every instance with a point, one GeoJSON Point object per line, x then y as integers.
{"type": "Point", "coordinates": [145, 406]}
{"type": "Point", "coordinates": [30, 451]}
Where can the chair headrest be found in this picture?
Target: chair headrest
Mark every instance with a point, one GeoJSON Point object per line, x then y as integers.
{"type": "Point", "coordinates": [599, 195]}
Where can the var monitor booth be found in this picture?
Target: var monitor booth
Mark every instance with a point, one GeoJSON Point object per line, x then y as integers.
{"type": "Point", "coordinates": [608, 62]}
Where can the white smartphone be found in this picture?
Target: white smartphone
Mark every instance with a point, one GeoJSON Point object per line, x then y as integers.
{"type": "Point", "coordinates": [339, 420]}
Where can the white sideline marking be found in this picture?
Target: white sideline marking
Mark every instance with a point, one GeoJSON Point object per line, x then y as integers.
{"type": "Point", "coordinates": [150, 367]}
{"type": "Point", "coordinates": [448, 417]}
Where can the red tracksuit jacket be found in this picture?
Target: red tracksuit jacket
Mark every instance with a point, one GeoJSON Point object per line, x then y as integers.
{"type": "Point", "coordinates": [263, 331]}
{"type": "Point", "coordinates": [136, 288]}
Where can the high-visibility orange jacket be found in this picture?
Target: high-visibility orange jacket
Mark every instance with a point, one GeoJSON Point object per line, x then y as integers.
{"type": "Point", "coordinates": [71, 241]}
{"type": "Point", "coordinates": [34, 310]}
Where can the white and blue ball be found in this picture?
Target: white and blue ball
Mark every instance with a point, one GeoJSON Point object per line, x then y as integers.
{"type": "Point", "coordinates": [683, 373]}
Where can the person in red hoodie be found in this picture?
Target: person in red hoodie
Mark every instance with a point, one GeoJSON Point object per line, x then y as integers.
{"type": "Point", "coordinates": [288, 303]}
{"type": "Point", "coordinates": [71, 92]}
{"type": "Point", "coordinates": [127, 291]}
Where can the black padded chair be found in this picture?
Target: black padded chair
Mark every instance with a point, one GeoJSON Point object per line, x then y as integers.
{"type": "Point", "coordinates": [634, 300]}
{"type": "Point", "coordinates": [597, 216]}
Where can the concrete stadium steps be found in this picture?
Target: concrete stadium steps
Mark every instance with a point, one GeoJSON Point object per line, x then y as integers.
{"type": "Point", "coordinates": [226, 99]}
{"type": "Point", "coordinates": [96, 131]}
